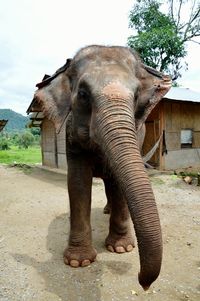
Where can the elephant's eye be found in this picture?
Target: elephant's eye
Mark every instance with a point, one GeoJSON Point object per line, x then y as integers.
{"type": "Point", "coordinates": [82, 94]}
{"type": "Point", "coordinates": [83, 97]}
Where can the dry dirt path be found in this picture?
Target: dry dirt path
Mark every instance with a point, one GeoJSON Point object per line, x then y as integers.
{"type": "Point", "coordinates": [34, 226]}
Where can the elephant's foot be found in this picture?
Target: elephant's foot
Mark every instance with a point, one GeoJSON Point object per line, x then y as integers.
{"type": "Point", "coordinates": [79, 256]}
{"type": "Point", "coordinates": [119, 243]}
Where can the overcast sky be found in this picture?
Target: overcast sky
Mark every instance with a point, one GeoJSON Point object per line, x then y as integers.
{"type": "Point", "coordinates": [37, 36]}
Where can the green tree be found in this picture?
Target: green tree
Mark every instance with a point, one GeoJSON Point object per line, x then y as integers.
{"type": "Point", "coordinates": [161, 38]}
{"type": "Point", "coordinates": [4, 143]}
{"type": "Point", "coordinates": [14, 137]}
{"type": "Point", "coordinates": [25, 139]}
{"type": "Point", "coordinates": [35, 131]}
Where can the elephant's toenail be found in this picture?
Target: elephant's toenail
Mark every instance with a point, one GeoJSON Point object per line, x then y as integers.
{"type": "Point", "coordinates": [74, 263]}
{"type": "Point", "coordinates": [120, 250]}
{"type": "Point", "coordinates": [110, 248]}
{"type": "Point", "coordinates": [129, 248]}
{"type": "Point", "coordinates": [85, 263]}
{"type": "Point", "coordinates": [66, 261]}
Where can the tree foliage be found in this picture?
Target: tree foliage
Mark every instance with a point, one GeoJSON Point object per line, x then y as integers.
{"type": "Point", "coordinates": [161, 38]}
{"type": "Point", "coordinates": [4, 143]}
{"type": "Point", "coordinates": [25, 139]}
{"type": "Point", "coordinates": [21, 139]}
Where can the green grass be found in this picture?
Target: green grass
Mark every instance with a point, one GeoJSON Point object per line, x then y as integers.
{"type": "Point", "coordinates": [15, 155]}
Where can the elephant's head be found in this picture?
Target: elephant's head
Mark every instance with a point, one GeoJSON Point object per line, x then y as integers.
{"type": "Point", "coordinates": [109, 93]}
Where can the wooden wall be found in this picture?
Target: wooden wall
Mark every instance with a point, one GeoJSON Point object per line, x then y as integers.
{"type": "Point", "coordinates": [172, 117]}
{"type": "Point", "coordinates": [53, 146]}
{"type": "Point", "coordinates": [49, 149]}
{"type": "Point", "coordinates": [61, 148]}
{"type": "Point", "coordinates": [178, 116]}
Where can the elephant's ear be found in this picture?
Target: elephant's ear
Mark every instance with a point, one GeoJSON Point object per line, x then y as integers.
{"type": "Point", "coordinates": [54, 96]}
{"type": "Point", "coordinates": [153, 86]}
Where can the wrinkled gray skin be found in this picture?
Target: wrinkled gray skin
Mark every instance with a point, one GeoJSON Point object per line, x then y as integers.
{"type": "Point", "coordinates": [105, 95]}
{"type": "Point", "coordinates": [140, 137]}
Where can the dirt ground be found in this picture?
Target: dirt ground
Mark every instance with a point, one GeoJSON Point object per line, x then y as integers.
{"type": "Point", "coordinates": [34, 227]}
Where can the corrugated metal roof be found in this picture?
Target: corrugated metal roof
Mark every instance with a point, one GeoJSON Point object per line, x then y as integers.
{"type": "Point", "coordinates": [182, 94]}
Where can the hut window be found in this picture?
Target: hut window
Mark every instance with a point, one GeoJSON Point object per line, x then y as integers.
{"type": "Point", "coordinates": [186, 138]}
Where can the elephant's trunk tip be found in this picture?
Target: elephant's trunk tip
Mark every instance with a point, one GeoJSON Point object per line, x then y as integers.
{"type": "Point", "coordinates": [145, 281]}
{"type": "Point", "coordinates": [145, 288]}
{"type": "Point", "coordinates": [145, 284]}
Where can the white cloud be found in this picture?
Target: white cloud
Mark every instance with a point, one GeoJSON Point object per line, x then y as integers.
{"type": "Point", "coordinates": [191, 77]}
{"type": "Point", "coordinates": [38, 35]}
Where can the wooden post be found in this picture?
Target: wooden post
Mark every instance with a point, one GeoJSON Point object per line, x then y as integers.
{"type": "Point", "coordinates": [161, 128]}
{"type": "Point", "coordinates": [42, 142]}
{"type": "Point", "coordinates": [56, 148]}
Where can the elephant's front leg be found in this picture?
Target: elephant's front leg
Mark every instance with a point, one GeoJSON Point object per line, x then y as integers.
{"type": "Point", "coordinates": [120, 237]}
{"type": "Point", "coordinates": [79, 251]}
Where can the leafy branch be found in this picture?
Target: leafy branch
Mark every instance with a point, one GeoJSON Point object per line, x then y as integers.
{"type": "Point", "coordinates": [161, 38]}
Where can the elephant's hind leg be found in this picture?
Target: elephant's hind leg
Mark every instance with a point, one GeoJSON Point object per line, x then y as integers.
{"type": "Point", "coordinates": [120, 237]}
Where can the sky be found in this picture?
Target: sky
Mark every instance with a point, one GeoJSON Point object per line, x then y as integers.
{"type": "Point", "coordinates": [37, 36]}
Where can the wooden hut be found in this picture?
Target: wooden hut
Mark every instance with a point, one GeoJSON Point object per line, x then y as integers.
{"type": "Point", "coordinates": [175, 121]}
{"type": "Point", "coordinates": [52, 144]}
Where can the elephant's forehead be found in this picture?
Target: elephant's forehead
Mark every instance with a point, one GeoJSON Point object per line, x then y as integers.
{"type": "Point", "coordinates": [103, 54]}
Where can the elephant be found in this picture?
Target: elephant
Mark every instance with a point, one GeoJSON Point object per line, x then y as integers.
{"type": "Point", "coordinates": [103, 96]}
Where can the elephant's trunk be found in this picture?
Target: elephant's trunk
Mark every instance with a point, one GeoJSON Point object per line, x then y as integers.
{"type": "Point", "coordinates": [117, 135]}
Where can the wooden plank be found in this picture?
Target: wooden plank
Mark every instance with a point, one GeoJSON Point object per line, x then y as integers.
{"type": "Point", "coordinates": [61, 140]}
{"type": "Point", "coordinates": [168, 116]}
{"type": "Point", "coordinates": [154, 113]}
{"type": "Point", "coordinates": [175, 117]}
{"type": "Point", "coordinates": [196, 139]}
{"type": "Point", "coordinates": [49, 143]}
{"type": "Point", "coordinates": [152, 135]}
{"type": "Point", "coordinates": [161, 129]}
{"type": "Point", "coordinates": [48, 132]}
{"type": "Point", "coordinates": [196, 114]}
{"type": "Point", "coordinates": [149, 138]}
{"type": "Point", "coordinates": [173, 140]}
{"type": "Point", "coordinates": [172, 117]}
{"type": "Point", "coordinates": [187, 116]}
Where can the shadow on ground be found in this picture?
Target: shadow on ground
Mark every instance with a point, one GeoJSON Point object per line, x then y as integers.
{"type": "Point", "coordinates": [58, 179]}
{"type": "Point", "coordinates": [70, 283]}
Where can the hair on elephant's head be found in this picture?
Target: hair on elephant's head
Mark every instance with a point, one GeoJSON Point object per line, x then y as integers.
{"type": "Point", "coordinates": [109, 93]}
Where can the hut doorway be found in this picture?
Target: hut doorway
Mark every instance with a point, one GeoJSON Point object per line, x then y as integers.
{"type": "Point", "coordinates": [153, 132]}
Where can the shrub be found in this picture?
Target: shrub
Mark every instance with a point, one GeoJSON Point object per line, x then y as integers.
{"type": "Point", "coordinates": [4, 143]}
{"type": "Point", "coordinates": [25, 139]}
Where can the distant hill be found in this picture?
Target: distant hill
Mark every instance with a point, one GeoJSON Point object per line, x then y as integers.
{"type": "Point", "coordinates": [16, 121]}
